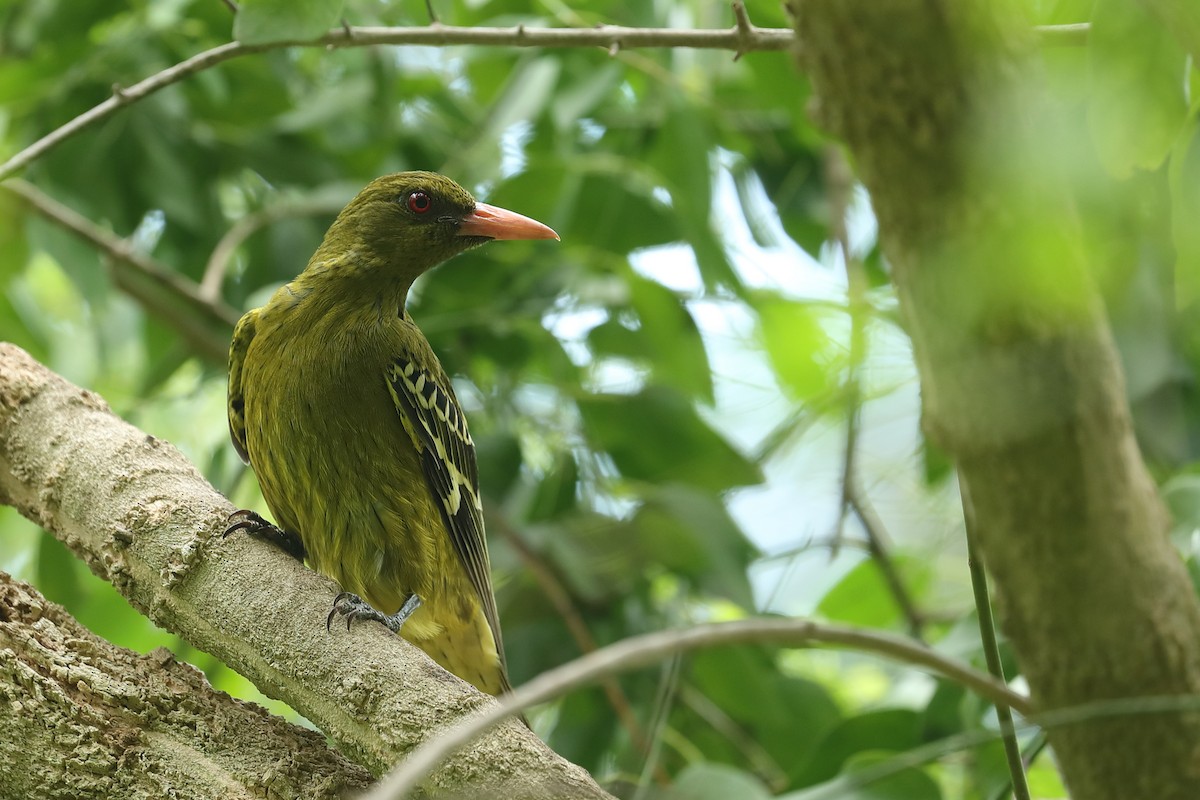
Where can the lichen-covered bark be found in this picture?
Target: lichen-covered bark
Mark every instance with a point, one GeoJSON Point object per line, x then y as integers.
{"type": "Point", "coordinates": [141, 516]}
{"type": "Point", "coordinates": [939, 103]}
{"type": "Point", "coordinates": [80, 718]}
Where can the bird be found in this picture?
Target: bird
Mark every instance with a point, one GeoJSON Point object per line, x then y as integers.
{"type": "Point", "coordinates": [339, 404]}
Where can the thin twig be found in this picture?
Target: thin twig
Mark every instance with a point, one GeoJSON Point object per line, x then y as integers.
{"type": "Point", "coordinates": [208, 324]}
{"type": "Point", "coordinates": [558, 596]}
{"type": "Point", "coordinates": [1114, 708]}
{"type": "Point", "coordinates": [1075, 34]}
{"type": "Point", "coordinates": [840, 182]}
{"type": "Point", "coordinates": [247, 226]}
{"type": "Point", "coordinates": [743, 24]}
{"type": "Point", "coordinates": [605, 36]}
{"type": "Point", "coordinates": [641, 651]}
{"type": "Point", "coordinates": [761, 762]}
{"type": "Point", "coordinates": [1033, 748]}
{"type": "Point", "coordinates": [668, 686]}
{"type": "Point", "coordinates": [877, 546]}
{"type": "Point", "coordinates": [991, 649]}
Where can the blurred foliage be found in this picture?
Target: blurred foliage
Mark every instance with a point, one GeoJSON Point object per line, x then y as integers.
{"type": "Point", "coordinates": [659, 401]}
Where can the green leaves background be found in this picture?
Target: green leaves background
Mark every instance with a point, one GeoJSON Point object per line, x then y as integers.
{"type": "Point", "coordinates": [659, 401]}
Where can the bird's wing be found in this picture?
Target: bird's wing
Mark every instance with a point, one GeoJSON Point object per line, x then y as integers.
{"type": "Point", "coordinates": [435, 422]}
{"type": "Point", "coordinates": [242, 335]}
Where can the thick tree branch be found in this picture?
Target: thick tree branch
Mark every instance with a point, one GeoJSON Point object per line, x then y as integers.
{"type": "Point", "coordinates": [205, 323]}
{"type": "Point", "coordinates": [141, 517]}
{"type": "Point", "coordinates": [610, 37]}
{"type": "Point", "coordinates": [83, 718]}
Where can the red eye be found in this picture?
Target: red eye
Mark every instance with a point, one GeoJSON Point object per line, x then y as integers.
{"type": "Point", "coordinates": [419, 202]}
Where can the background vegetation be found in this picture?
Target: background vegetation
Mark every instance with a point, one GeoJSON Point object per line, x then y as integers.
{"type": "Point", "coordinates": [701, 405]}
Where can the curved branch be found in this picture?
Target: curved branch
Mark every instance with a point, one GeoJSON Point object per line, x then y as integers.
{"type": "Point", "coordinates": [740, 38]}
{"type": "Point", "coordinates": [247, 226]}
{"type": "Point", "coordinates": [206, 323]}
{"type": "Point", "coordinates": [641, 651]}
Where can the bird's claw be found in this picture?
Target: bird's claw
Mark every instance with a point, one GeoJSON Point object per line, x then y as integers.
{"type": "Point", "coordinates": [249, 521]}
{"type": "Point", "coordinates": [352, 607]}
{"type": "Point", "coordinates": [253, 523]}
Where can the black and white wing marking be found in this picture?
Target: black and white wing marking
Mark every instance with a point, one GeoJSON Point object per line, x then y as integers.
{"type": "Point", "coordinates": [431, 415]}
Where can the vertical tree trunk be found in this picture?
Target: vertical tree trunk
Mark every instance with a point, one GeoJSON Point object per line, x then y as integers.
{"type": "Point", "coordinates": [939, 102]}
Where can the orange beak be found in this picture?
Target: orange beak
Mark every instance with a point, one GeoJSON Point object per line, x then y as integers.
{"type": "Point", "coordinates": [498, 223]}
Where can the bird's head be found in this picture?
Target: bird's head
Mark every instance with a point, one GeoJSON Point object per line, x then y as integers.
{"type": "Point", "coordinates": [413, 221]}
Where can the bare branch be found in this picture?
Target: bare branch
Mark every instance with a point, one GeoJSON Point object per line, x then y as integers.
{"type": "Point", "coordinates": [840, 181]}
{"type": "Point", "coordinates": [172, 298]}
{"type": "Point", "coordinates": [641, 651]}
{"type": "Point", "coordinates": [610, 37]}
{"type": "Point", "coordinates": [877, 546]}
{"type": "Point", "coordinates": [991, 649]}
{"type": "Point", "coordinates": [247, 226]}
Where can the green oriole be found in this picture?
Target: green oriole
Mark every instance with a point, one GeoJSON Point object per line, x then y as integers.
{"type": "Point", "coordinates": [360, 447]}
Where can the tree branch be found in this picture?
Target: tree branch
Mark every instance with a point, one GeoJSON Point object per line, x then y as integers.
{"type": "Point", "coordinates": [613, 38]}
{"type": "Point", "coordinates": [142, 518]}
{"type": "Point", "coordinates": [641, 651]}
{"type": "Point", "coordinates": [247, 226]}
{"type": "Point", "coordinates": [205, 323]}
{"type": "Point", "coordinates": [840, 183]}
{"type": "Point", "coordinates": [95, 720]}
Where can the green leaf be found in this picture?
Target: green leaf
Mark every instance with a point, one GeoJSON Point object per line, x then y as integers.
{"type": "Point", "coordinates": [555, 492]}
{"type": "Point", "coordinates": [705, 781]}
{"type": "Point", "coordinates": [263, 21]}
{"type": "Point", "coordinates": [906, 783]}
{"type": "Point", "coordinates": [607, 202]}
{"type": "Point", "coordinates": [691, 533]}
{"type": "Point", "coordinates": [1182, 496]}
{"type": "Point", "coordinates": [893, 730]}
{"type": "Point", "coordinates": [598, 556]}
{"type": "Point", "coordinates": [1184, 180]}
{"type": "Point", "coordinates": [57, 577]}
{"type": "Point", "coordinates": [664, 337]}
{"type": "Point", "coordinates": [862, 597]}
{"type": "Point", "coordinates": [657, 436]}
{"type": "Point", "coordinates": [797, 345]}
{"type": "Point", "coordinates": [1137, 102]}
{"type": "Point", "coordinates": [747, 684]}
{"type": "Point", "coordinates": [684, 141]}
{"type": "Point", "coordinates": [577, 99]}
{"type": "Point", "coordinates": [499, 457]}
{"type": "Point", "coordinates": [583, 728]}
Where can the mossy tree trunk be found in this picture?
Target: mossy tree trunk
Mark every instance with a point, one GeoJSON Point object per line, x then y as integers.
{"type": "Point", "coordinates": [939, 102]}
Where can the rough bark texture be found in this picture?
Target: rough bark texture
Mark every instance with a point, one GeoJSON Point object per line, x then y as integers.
{"type": "Point", "coordinates": [938, 101]}
{"type": "Point", "coordinates": [141, 517]}
{"type": "Point", "coordinates": [82, 718]}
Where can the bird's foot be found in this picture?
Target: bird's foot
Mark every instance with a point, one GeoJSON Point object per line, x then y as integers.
{"type": "Point", "coordinates": [253, 524]}
{"type": "Point", "coordinates": [353, 607]}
